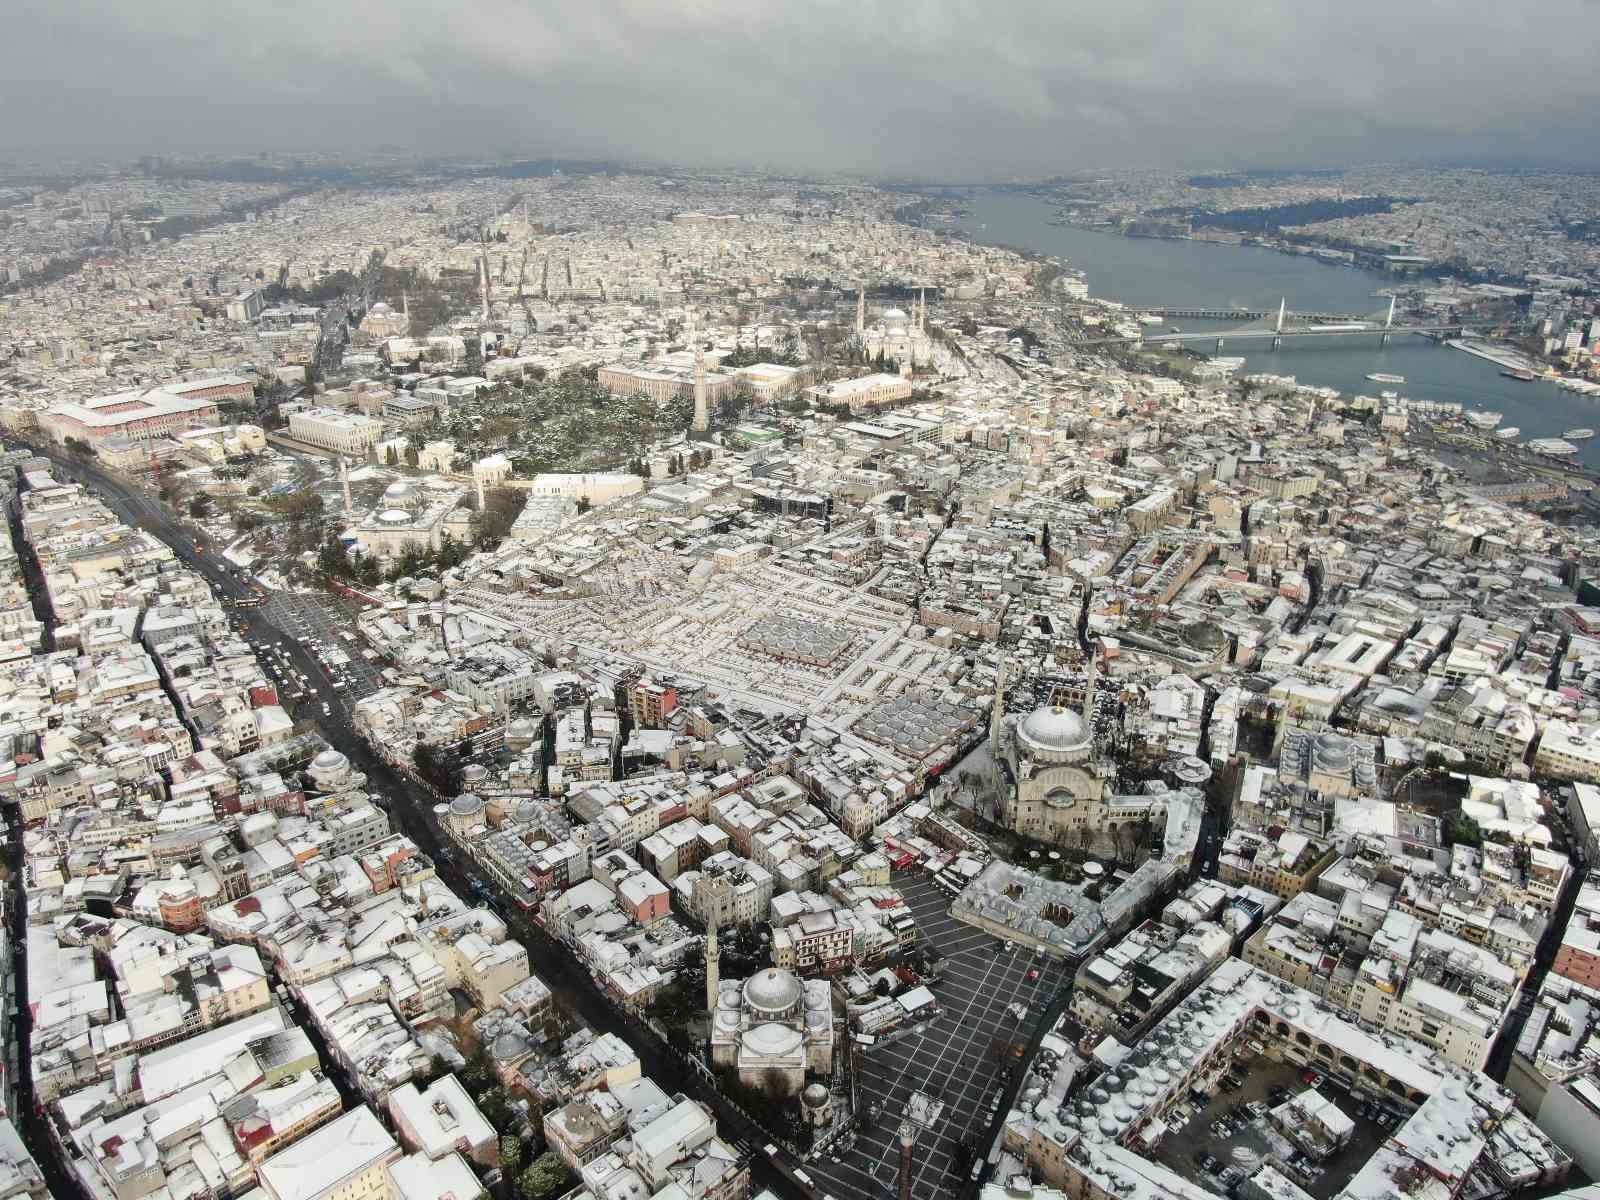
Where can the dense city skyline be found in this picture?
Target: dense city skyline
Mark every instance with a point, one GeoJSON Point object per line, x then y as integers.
{"type": "Point", "coordinates": [674, 601]}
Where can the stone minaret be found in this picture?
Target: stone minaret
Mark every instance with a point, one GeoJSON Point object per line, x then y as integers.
{"type": "Point", "coordinates": [922, 310]}
{"type": "Point", "coordinates": [861, 312]}
{"type": "Point", "coordinates": [713, 957]}
{"type": "Point", "coordinates": [702, 407]}
{"type": "Point", "coordinates": [344, 478]}
{"type": "Point", "coordinates": [483, 280]}
{"type": "Point", "coordinates": [997, 714]}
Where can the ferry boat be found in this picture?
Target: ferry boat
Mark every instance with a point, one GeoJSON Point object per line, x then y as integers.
{"type": "Point", "coordinates": [1507, 433]}
{"type": "Point", "coordinates": [1482, 418]}
{"type": "Point", "coordinates": [1552, 447]}
{"type": "Point", "coordinates": [1385, 377]}
{"type": "Point", "coordinates": [1578, 435]}
{"type": "Point", "coordinates": [1520, 374]}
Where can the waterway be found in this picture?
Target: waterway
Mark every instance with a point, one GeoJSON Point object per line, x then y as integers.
{"type": "Point", "coordinates": [1151, 271]}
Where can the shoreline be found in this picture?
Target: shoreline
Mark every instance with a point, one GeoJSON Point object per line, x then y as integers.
{"type": "Point", "coordinates": [1503, 354]}
{"type": "Point", "coordinates": [1497, 457]}
{"type": "Point", "coordinates": [1486, 350]}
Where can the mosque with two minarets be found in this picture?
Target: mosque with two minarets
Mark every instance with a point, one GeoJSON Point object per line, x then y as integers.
{"type": "Point", "coordinates": [896, 334]}
{"type": "Point", "coordinates": [1051, 774]}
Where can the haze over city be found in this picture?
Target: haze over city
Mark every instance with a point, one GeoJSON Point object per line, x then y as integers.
{"type": "Point", "coordinates": [947, 89]}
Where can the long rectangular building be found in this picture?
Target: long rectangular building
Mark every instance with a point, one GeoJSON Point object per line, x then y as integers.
{"type": "Point", "coordinates": [145, 413]}
{"type": "Point", "coordinates": [662, 383]}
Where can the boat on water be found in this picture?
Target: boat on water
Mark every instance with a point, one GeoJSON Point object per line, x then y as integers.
{"type": "Point", "coordinates": [1385, 377]}
{"type": "Point", "coordinates": [1520, 374]}
{"type": "Point", "coordinates": [1578, 435]}
{"type": "Point", "coordinates": [1482, 418]}
{"type": "Point", "coordinates": [1552, 447]}
{"type": "Point", "coordinates": [1508, 432]}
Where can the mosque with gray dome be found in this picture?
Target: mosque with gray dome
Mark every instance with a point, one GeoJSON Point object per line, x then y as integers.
{"type": "Point", "coordinates": [1051, 776]}
{"type": "Point", "coordinates": [413, 514]}
{"type": "Point", "coordinates": [896, 335]}
{"type": "Point", "coordinates": [772, 1027]}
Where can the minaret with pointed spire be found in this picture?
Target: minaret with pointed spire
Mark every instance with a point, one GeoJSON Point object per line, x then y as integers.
{"type": "Point", "coordinates": [713, 969]}
{"type": "Point", "coordinates": [997, 713]}
{"type": "Point", "coordinates": [344, 478]}
{"type": "Point", "coordinates": [922, 310]}
{"type": "Point", "coordinates": [702, 407]}
{"type": "Point", "coordinates": [483, 280]}
{"type": "Point", "coordinates": [861, 312]}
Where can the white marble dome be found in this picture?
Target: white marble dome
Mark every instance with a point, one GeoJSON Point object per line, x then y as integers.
{"type": "Point", "coordinates": [1053, 732]}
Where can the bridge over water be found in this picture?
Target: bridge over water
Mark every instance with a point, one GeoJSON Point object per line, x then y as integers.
{"type": "Point", "coordinates": [1284, 323]}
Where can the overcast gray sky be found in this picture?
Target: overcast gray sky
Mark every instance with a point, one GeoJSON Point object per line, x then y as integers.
{"type": "Point", "coordinates": [937, 88]}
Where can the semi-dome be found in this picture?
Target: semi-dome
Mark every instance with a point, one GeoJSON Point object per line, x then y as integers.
{"type": "Point", "coordinates": [772, 991]}
{"type": "Point", "coordinates": [1054, 729]}
{"type": "Point", "coordinates": [394, 516]}
{"type": "Point", "coordinates": [771, 1041]}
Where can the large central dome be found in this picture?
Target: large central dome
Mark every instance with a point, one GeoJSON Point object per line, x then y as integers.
{"type": "Point", "coordinates": [772, 992]}
{"type": "Point", "coordinates": [1054, 730]}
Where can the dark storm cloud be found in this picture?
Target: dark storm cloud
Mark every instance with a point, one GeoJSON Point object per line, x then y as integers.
{"type": "Point", "coordinates": [946, 88]}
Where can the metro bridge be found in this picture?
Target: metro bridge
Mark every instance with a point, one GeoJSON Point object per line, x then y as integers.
{"type": "Point", "coordinates": [1284, 323]}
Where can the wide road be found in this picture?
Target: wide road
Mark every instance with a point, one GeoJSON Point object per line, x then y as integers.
{"type": "Point", "coordinates": [411, 812]}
